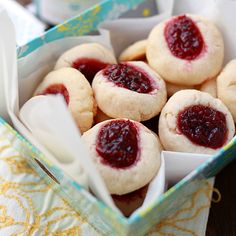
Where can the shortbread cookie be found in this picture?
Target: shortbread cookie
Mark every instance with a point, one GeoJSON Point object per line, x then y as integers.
{"type": "Point", "coordinates": [135, 52]}
{"type": "Point", "coordinates": [226, 87]}
{"type": "Point", "coordinates": [77, 93]}
{"type": "Point", "coordinates": [129, 202]}
{"type": "Point", "coordinates": [126, 153]}
{"type": "Point", "coordinates": [173, 88]}
{"type": "Point", "coordinates": [88, 58]}
{"type": "Point", "coordinates": [186, 49]}
{"type": "Point", "coordinates": [195, 122]}
{"type": "Point", "coordinates": [210, 87]}
{"type": "Point", "coordinates": [129, 90]}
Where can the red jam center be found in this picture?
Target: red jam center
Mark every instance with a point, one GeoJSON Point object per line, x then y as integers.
{"type": "Point", "coordinates": [203, 125]}
{"type": "Point", "coordinates": [117, 143]}
{"type": "Point", "coordinates": [89, 67]}
{"type": "Point", "coordinates": [129, 77]}
{"type": "Point", "coordinates": [58, 88]}
{"type": "Point", "coordinates": [184, 38]}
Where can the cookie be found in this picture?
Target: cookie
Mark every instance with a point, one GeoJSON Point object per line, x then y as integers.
{"type": "Point", "coordinates": [173, 88]}
{"type": "Point", "coordinates": [88, 58]}
{"type": "Point", "coordinates": [129, 202]}
{"type": "Point", "coordinates": [195, 122]}
{"type": "Point", "coordinates": [125, 152]}
{"type": "Point", "coordinates": [186, 49]}
{"type": "Point", "coordinates": [76, 91]}
{"type": "Point", "coordinates": [135, 52]}
{"type": "Point", "coordinates": [226, 88]}
{"type": "Point", "coordinates": [129, 90]}
{"type": "Point", "coordinates": [210, 87]}
{"type": "Point", "coordinates": [101, 116]}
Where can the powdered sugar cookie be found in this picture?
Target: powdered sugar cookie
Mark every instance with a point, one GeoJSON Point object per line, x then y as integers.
{"type": "Point", "coordinates": [77, 93]}
{"type": "Point", "coordinates": [226, 89]}
{"type": "Point", "coordinates": [88, 58]}
{"type": "Point", "coordinates": [129, 90]}
{"type": "Point", "coordinates": [195, 122]}
{"type": "Point", "coordinates": [126, 153]}
{"type": "Point", "coordinates": [186, 49]}
{"type": "Point", "coordinates": [135, 52]}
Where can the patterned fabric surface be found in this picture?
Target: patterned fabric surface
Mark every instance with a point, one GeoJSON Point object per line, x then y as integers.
{"type": "Point", "coordinates": [28, 206]}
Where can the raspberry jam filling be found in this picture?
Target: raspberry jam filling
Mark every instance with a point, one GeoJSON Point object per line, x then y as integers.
{"type": "Point", "coordinates": [88, 67]}
{"type": "Point", "coordinates": [203, 125]}
{"type": "Point", "coordinates": [183, 37]}
{"type": "Point", "coordinates": [129, 77]}
{"type": "Point", "coordinates": [58, 88]}
{"type": "Point", "coordinates": [117, 143]}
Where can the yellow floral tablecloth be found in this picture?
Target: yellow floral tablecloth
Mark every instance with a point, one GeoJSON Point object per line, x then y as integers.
{"type": "Point", "coordinates": [28, 206]}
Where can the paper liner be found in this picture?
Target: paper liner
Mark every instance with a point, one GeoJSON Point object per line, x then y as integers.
{"type": "Point", "coordinates": [179, 164]}
{"type": "Point", "coordinates": [155, 189]}
{"type": "Point", "coordinates": [50, 122]}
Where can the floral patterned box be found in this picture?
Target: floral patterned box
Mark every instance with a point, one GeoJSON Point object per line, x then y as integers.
{"type": "Point", "coordinates": [97, 213]}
